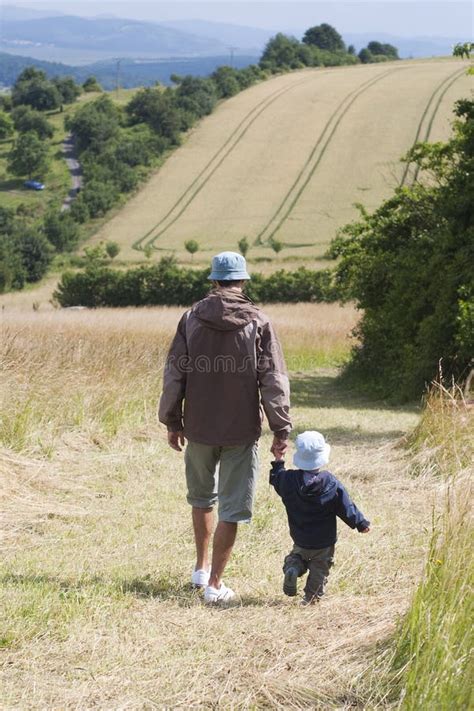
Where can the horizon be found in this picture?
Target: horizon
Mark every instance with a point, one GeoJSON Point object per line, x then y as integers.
{"type": "Point", "coordinates": [425, 18]}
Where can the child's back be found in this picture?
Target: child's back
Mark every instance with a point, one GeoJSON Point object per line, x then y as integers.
{"type": "Point", "coordinates": [313, 499]}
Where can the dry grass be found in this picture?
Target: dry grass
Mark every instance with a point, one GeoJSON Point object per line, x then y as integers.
{"type": "Point", "coordinates": [98, 611]}
{"type": "Point", "coordinates": [258, 176]}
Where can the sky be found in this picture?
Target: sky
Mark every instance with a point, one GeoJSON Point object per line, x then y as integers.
{"type": "Point", "coordinates": [405, 18]}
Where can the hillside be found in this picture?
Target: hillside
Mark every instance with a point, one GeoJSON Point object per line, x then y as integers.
{"type": "Point", "coordinates": [281, 160]}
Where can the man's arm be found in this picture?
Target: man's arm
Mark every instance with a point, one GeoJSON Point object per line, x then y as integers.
{"type": "Point", "coordinates": [274, 387]}
{"type": "Point", "coordinates": [170, 411]}
{"type": "Point", "coordinates": [348, 511]}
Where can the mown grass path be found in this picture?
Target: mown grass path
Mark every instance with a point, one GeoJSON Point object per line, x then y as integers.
{"type": "Point", "coordinates": [99, 612]}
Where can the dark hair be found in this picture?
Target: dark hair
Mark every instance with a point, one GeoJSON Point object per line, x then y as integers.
{"type": "Point", "coordinates": [230, 282]}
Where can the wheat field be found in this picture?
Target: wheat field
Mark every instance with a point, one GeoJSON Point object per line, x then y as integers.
{"type": "Point", "coordinates": [288, 158]}
{"type": "Point", "coordinates": [97, 543]}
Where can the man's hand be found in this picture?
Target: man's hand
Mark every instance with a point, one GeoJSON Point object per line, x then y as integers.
{"type": "Point", "coordinates": [365, 530]}
{"type": "Point", "coordinates": [176, 440]}
{"type": "Point", "coordinates": [279, 447]}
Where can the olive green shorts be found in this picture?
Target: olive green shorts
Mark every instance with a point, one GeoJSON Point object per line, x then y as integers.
{"type": "Point", "coordinates": [223, 475]}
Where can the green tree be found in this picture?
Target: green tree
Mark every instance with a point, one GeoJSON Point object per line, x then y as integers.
{"type": "Point", "coordinates": [280, 51]}
{"type": "Point", "coordinates": [351, 49]}
{"type": "Point", "coordinates": [6, 125]}
{"type": "Point", "coordinates": [34, 251]}
{"type": "Point", "coordinates": [155, 107]}
{"type": "Point", "coordinates": [225, 79]}
{"type": "Point", "coordinates": [365, 56]}
{"type": "Point", "coordinates": [91, 84]}
{"type": "Point", "coordinates": [94, 124]}
{"type": "Point", "coordinates": [325, 37]}
{"type": "Point", "coordinates": [276, 245]}
{"type": "Point", "coordinates": [61, 230]}
{"type": "Point", "coordinates": [27, 119]}
{"type": "Point", "coordinates": [34, 89]}
{"type": "Point", "coordinates": [29, 156]}
{"type": "Point", "coordinates": [67, 88]}
{"type": "Point", "coordinates": [409, 268]}
{"type": "Point", "coordinates": [244, 246]}
{"type": "Point", "coordinates": [383, 49]}
{"type": "Point", "coordinates": [192, 247]}
{"type": "Point", "coordinates": [112, 249]}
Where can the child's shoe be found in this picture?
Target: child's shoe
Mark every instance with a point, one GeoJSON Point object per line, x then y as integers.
{"type": "Point", "coordinates": [290, 582]}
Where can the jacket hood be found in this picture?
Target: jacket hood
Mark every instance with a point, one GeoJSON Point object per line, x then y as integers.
{"type": "Point", "coordinates": [225, 310]}
{"type": "Point", "coordinates": [315, 484]}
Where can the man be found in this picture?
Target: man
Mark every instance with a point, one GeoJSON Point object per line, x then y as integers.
{"type": "Point", "coordinates": [225, 364]}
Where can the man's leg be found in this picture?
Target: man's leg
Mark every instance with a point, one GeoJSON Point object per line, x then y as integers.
{"type": "Point", "coordinates": [224, 539]}
{"type": "Point", "coordinates": [201, 461]}
{"type": "Point", "coordinates": [203, 525]}
{"type": "Point", "coordinates": [238, 469]}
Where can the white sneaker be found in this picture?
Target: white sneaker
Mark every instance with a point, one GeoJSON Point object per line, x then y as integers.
{"type": "Point", "coordinates": [218, 595]}
{"type": "Point", "coordinates": [200, 578]}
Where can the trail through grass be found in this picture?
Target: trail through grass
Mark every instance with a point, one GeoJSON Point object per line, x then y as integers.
{"type": "Point", "coordinates": [98, 545]}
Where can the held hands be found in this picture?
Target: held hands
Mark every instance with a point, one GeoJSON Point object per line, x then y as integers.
{"type": "Point", "coordinates": [176, 440]}
{"type": "Point", "coordinates": [278, 448]}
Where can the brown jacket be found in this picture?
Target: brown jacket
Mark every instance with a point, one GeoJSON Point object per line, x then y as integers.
{"type": "Point", "coordinates": [225, 363]}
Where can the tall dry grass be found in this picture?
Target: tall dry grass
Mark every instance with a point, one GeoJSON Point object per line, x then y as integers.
{"type": "Point", "coordinates": [100, 371]}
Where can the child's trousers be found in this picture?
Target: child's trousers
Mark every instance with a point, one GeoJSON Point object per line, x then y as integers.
{"type": "Point", "coordinates": [318, 561]}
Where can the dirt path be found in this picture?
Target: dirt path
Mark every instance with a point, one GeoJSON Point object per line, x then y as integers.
{"type": "Point", "coordinates": [75, 170]}
{"type": "Point", "coordinates": [116, 624]}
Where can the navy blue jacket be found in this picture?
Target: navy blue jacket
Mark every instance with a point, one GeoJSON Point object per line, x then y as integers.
{"type": "Point", "coordinates": [313, 500]}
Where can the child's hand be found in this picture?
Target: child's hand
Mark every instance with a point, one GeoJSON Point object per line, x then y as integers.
{"type": "Point", "coordinates": [278, 456]}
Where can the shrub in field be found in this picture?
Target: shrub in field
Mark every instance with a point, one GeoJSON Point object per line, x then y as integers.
{"type": "Point", "coordinates": [29, 156]}
{"type": "Point", "coordinates": [409, 267]}
{"type": "Point", "coordinates": [27, 119]}
{"type": "Point", "coordinates": [61, 230]}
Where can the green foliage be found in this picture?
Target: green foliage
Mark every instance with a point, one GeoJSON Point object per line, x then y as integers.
{"type": "Point", "coordinates": [112, 249]}
{"type": "Point", "coordinates": [276, 245]}
{"type": "Point", "coordinates": [155, 108]}
{"type": "Point", "coordinates": [226, 81]}
{"type": "Point", "coordinates": [409, 267]}
{"type": "Point", "coordinates": [34, 89]}
{"type": "Point", "coordinates": [29, 156]}
{"type": "Point", "coordinates": [61, 230]}
{"type": "Point", "coordinates": [244, 246]}
{"type": "Point", "coordinates": [365, 56]}
{"type": "Point", "coordinates": [34, 251]}
{"type": "Point", "coordinates": [325, 37]}
{"type": "Point", "coordinates": [6, 125]}
{"type": "Point", "coordinates": [383, 49]}
{"type": "Point", "coordinates": [94, 124]}
{"type": "Point", "coordinates": [98, 197]}
{"type": "Point", "coordinates": [91, 84]}
{"type": "Point", "coordinates": [27, 119]}
{"type": "Point", "coordinates": [168, 284]}
{"type": "Point", "coordinates": [67, 88]}
{"type": "Point", "coordinates": [463, 49]}
{"type": "Point", "coordinates": [191, 246]}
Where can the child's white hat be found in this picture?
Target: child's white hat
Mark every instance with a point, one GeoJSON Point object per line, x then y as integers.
{"type": "Point", "coordinates": [312, 451]}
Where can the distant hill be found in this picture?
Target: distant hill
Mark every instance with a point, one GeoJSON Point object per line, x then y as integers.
{"type": "Point", "coordinates": [242, 37]}
{"type": "Point", "coordinates": [106, 37]}
{"type": "Point", "coordinates": [133, 72]}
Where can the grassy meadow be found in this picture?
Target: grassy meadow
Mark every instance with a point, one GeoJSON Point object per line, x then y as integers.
{"type": "Point", "coordinates": [97, 542]}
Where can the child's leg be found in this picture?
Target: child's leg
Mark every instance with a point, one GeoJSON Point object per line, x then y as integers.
{"type": "Point", "coordinates": [319, 565]}
{"type": "Point", "coordinates": [294, 566]}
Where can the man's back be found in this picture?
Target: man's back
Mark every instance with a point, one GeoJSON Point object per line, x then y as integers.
{"type": "Point", "coordinates": [225, 362]}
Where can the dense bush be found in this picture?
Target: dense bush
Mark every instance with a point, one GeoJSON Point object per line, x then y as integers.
{"type": "Point", "coordinates": [168, 284]}
{"type": "Point", "coordinates": [409, 266]}
{"type": "Point", "coordinates": [27, 119]}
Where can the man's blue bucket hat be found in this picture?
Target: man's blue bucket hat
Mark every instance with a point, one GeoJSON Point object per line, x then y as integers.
{"type": "Point", "coordinates": [228, 266]}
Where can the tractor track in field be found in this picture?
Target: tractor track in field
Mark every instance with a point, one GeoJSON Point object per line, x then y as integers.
{"type": "Point", "coordinates": [220, 156]}
{"type": "Point", "coordinates": [442, 88]}
{"type": "Point", "coordinates": [314, 158]}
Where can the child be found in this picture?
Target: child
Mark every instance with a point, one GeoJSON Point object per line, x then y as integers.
{"type": "Point", "coordinates": [313, 497]}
